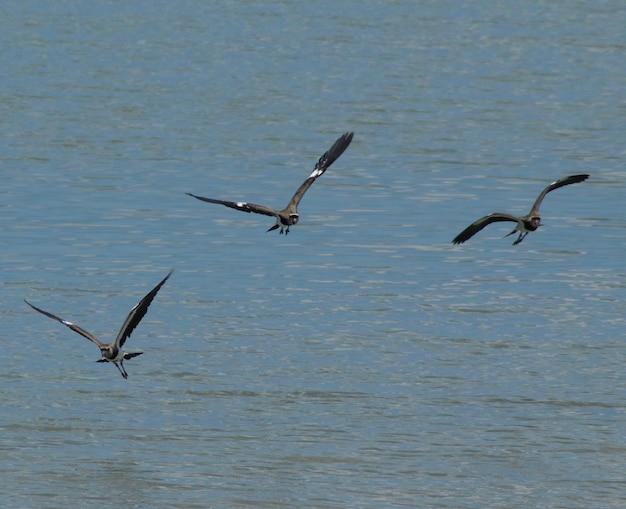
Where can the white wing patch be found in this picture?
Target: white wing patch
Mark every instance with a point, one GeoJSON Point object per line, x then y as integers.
{"type": "Point", "coordinates": [241, 204]}
{"type": "Point", "coordinates": [316, 173]}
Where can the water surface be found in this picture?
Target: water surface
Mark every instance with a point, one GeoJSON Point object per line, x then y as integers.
{"type": "Point", "coordinates": [362, 360]}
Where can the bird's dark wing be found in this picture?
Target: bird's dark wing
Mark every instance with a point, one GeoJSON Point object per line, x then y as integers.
{"type": "Point", "coordinates": [323, 163]}
{"type": "Point", "coordinates": [243, 206]}
{"type": "Point", "coordinates": [479, 224]}
{"type": "Point", "coordinates": [566, 181]}
{"type": "Point", "coordinates": [72, 326]}
{"type": "Point", "coordinates": [137, 313]}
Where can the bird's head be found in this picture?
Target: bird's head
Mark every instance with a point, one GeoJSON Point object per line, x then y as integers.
{"type": "Point", "coordinates": [293, 218]}
{"type": "Point", "coordinates": [535, 222]}
{"type": "Point", "coordinates": [108, 352]}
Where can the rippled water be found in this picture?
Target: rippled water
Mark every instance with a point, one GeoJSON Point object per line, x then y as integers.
{"type": "Point", "coordinates": [362, 360]}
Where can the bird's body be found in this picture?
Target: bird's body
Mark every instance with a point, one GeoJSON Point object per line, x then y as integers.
{"type": "Point", "coordinates": [113, 352]}
{"type": "Point", "coordinates": [289, 215]}
{"type": "Point", "coordinates": [525, 224]}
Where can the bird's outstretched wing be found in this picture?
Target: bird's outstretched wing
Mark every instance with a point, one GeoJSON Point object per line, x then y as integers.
{"type": "Point", "coordinates": [565, 181]}
{"type": "Point", "coordinates": [479, 224]}
{"type": "Point", "coordinates": [137, 313]}
{"type": "Point", "coordinates": [243, 206]}
{"type": "Point", "coordinates": [323, 163]}
{"type": "Point", "coordinates": [71, 325]}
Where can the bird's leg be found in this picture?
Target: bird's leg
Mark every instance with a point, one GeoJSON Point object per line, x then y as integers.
{"type": "Point", "coordinates": [509, 234]}
{"type": "Point", "coordinates": [520, 238]}
{"type": "Point", "coordinates": [121, 370]}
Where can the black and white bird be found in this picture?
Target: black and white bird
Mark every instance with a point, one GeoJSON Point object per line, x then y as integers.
{"type": "Point", "coordinates": [525, 224]}
{"type": "Point", "coordinates": [112, 352]}
{"type": "Point", "coordinates": [289, 215]}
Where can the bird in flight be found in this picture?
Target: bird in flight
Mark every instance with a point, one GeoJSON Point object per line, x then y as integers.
{"type": "Point", "coordinates": [525, 224]}
{"type": "Point", "coordinates": [112, 352]}
{"type": "Point", "coordinates": [289, 215]}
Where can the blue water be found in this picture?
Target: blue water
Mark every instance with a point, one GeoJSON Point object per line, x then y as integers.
{"type": "Point", "coordinates": [362, 361]}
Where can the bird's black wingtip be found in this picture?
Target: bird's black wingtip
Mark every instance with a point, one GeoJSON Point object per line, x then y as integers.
{"type": "Point", "coordinates": [31, 305]}
{"type": "Point", "coordinates": [167, 276]}
{"type": "Point", "coordinates": [574, 179]}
